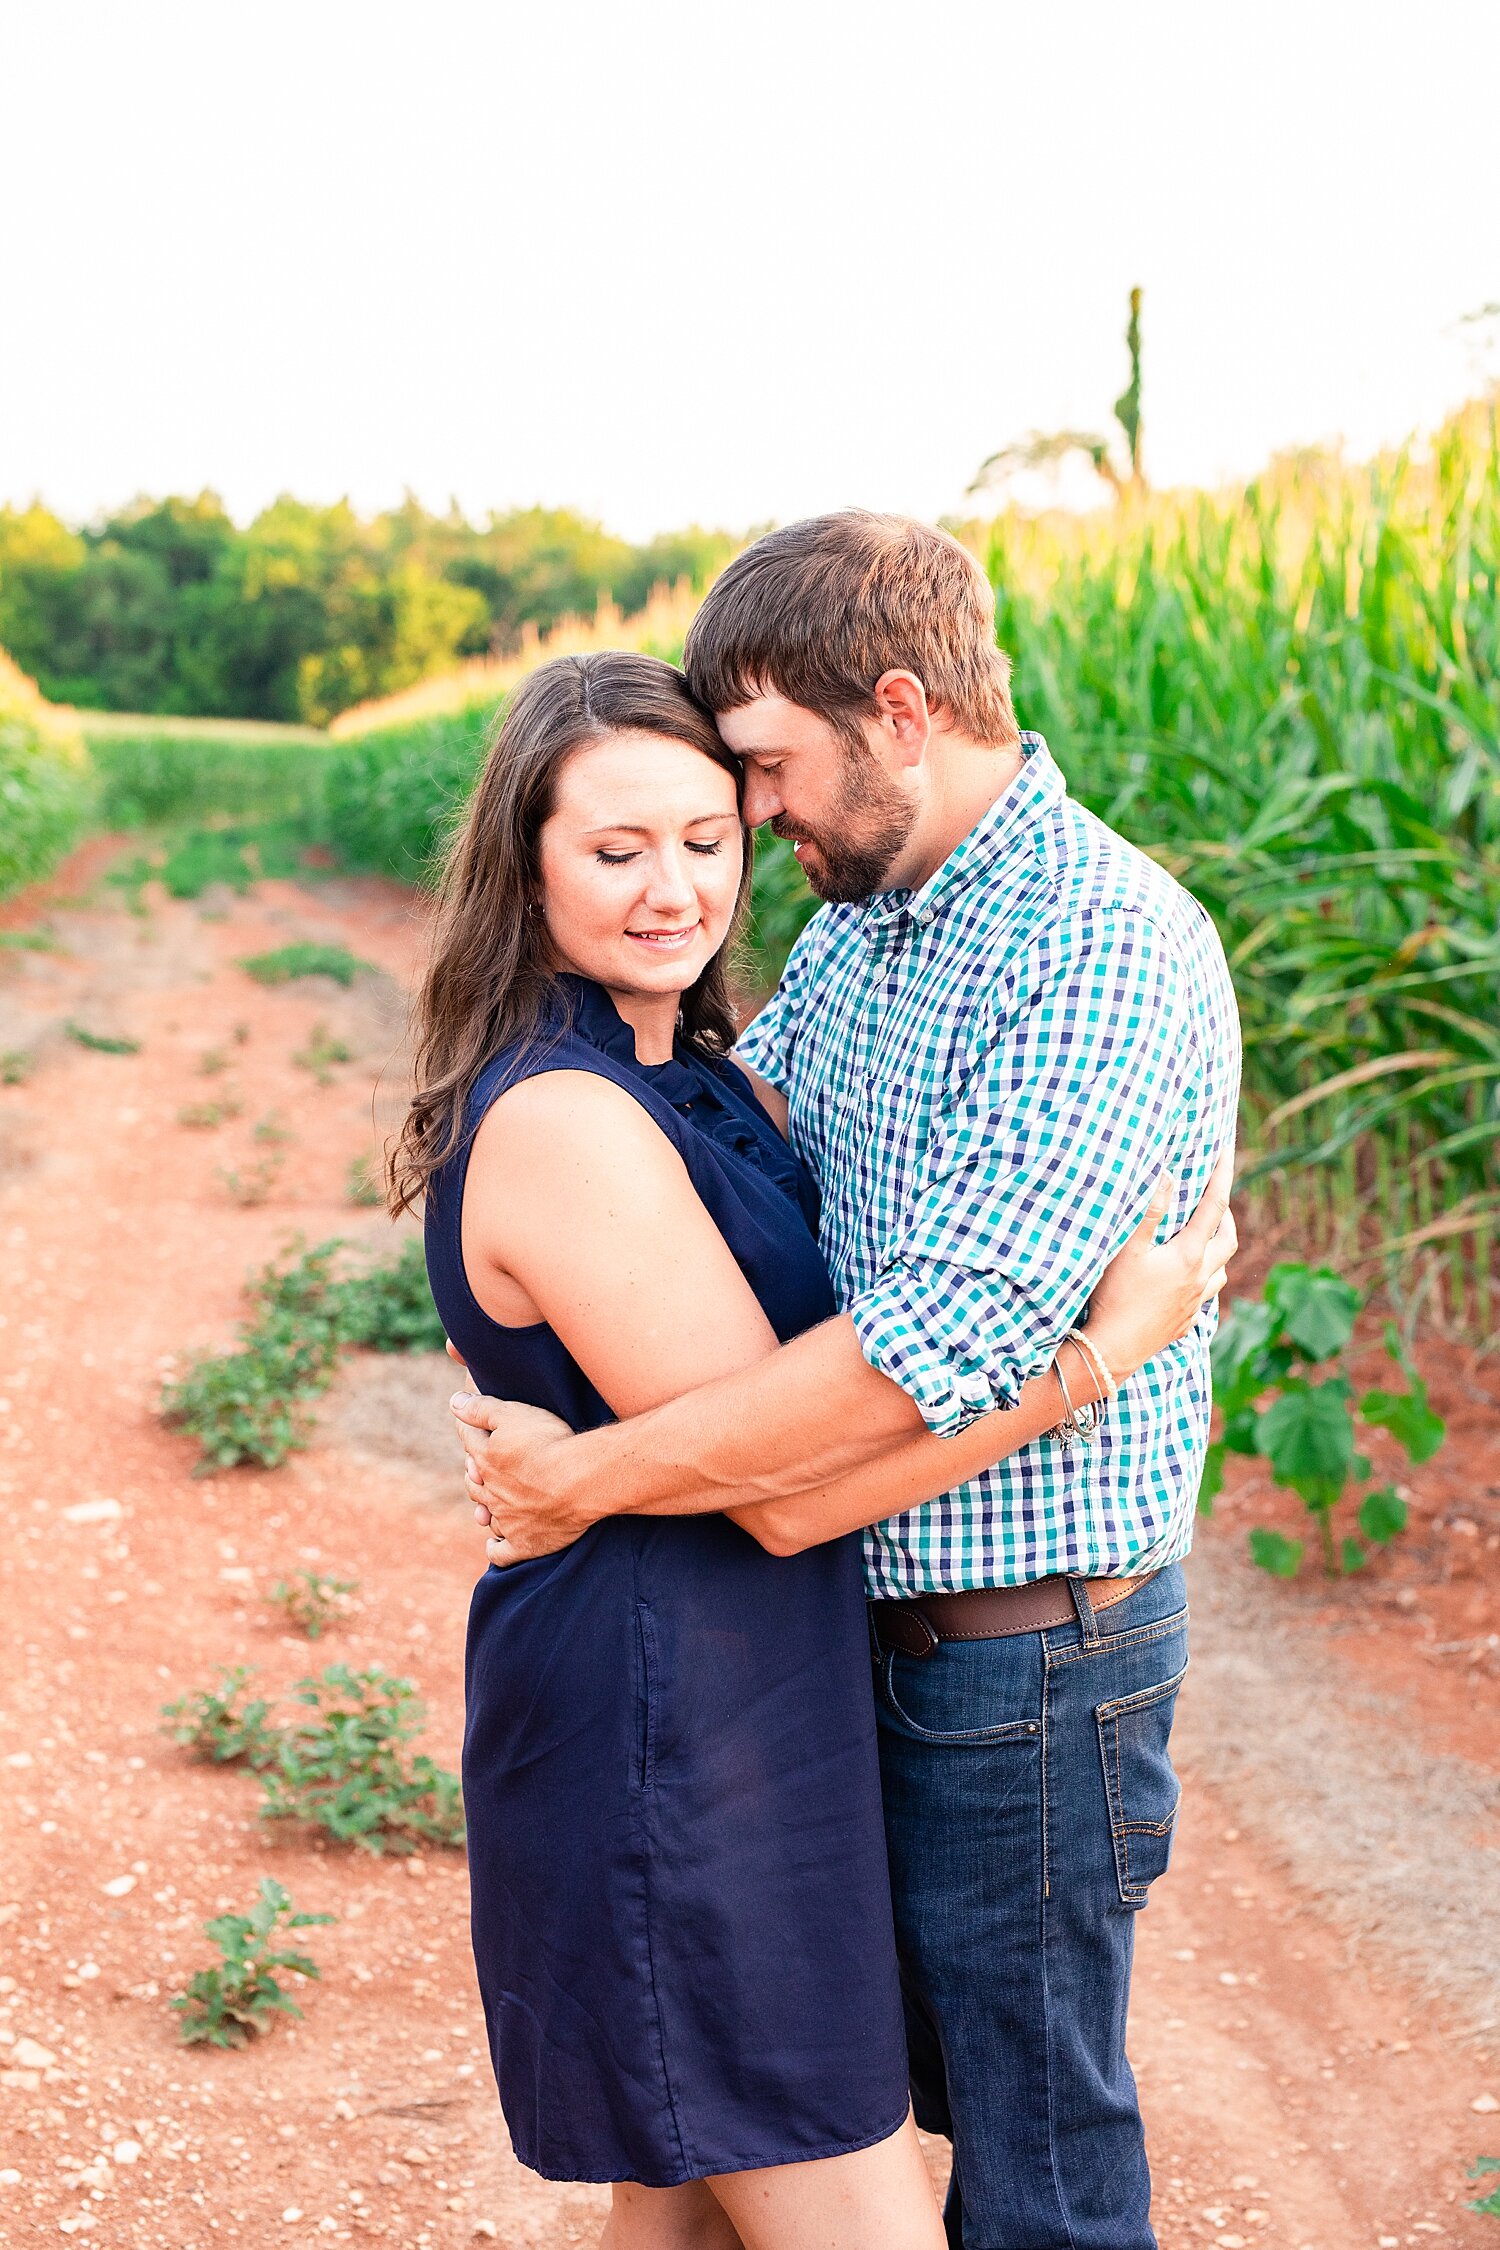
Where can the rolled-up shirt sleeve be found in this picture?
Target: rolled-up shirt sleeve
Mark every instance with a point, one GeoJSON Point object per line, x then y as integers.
{"type": "Point", "coordinates": [1040, 1168]}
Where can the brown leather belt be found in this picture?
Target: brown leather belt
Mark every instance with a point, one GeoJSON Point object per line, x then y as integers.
{"type": "Point", "coordinates": [990, 1613]}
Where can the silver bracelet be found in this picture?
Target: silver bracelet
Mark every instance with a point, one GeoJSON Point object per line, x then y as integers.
{"type": "Point", "coordinates": [1078, 1421]}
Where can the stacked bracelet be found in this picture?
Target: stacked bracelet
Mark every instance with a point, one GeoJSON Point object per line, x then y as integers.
{"type": "Point", "coordinates": [1084, 1421]}
{"type": "Point", "coordinates": [1104, 1375]}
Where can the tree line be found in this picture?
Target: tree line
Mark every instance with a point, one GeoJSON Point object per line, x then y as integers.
{"type": "Point", "coordinates": [171, 607]}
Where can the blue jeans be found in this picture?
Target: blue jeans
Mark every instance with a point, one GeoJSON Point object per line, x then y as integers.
{"type": "Point", "coordinates": [1029, 1803]}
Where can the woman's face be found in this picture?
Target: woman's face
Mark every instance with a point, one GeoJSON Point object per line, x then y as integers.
{"type": "Point", "coordinates": [640, 863]}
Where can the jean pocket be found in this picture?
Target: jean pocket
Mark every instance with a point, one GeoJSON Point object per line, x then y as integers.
{"type": "Point", "coordinates": [1140, 1783]}
{"type": "Point", "coordinates": [930, 1700]}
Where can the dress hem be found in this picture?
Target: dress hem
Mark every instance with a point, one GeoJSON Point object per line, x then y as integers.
{"type": "Point", "coordinates": [716, 2171]}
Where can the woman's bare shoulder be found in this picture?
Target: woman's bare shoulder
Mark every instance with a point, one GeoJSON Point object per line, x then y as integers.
{"type": "Point", "coordinates": [554, 1118]}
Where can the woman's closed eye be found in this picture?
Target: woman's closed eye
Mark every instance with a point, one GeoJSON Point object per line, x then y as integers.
{"type": "Point", "coordinates": [622, 859]}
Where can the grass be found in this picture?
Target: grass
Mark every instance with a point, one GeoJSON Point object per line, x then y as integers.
{"type": "Point", "coordinates": [291, 961]}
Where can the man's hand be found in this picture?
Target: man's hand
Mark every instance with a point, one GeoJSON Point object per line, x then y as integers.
{"type": "Point", "coordinates": [510, 1475]}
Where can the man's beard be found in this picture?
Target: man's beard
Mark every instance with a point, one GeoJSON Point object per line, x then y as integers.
{"type": "Point", "coordinates": [874, 822]}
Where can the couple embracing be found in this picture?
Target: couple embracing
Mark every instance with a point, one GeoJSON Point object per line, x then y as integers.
{"type": "Point", "coordinates": [837, 1417]}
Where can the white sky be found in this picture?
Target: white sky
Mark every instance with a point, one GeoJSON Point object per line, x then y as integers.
{"type": "Point", "coordinates": [668, 260]}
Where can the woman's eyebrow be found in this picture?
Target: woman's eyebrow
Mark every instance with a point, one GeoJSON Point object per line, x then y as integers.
{"type": "Point", "coordinates": [633, 828]}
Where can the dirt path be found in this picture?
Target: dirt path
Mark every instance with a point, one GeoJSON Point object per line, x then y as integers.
{"type": "Point", "coordinates": [1308, 2073]}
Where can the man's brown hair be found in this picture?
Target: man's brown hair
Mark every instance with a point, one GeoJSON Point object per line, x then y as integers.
{"type": "Point", "coordinates": [819, 610]}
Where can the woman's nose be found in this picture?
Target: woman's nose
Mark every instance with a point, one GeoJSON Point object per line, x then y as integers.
{"type": "Point", "coordinates": [670, 889]}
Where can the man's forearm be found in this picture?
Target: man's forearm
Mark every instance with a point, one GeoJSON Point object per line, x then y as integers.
{"type": "Point", "coordinates": [802, 1417]}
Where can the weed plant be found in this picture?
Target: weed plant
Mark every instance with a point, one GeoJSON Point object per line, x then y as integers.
{"type": "Point", "coordinates": [254, 1403]}
{"type": "Point", "coordinates": [254, 1185]}
{"type": "Point", "coordinates": [388, 1307]}
{"type": "Point", "coordinates": [98, 1042]}
{"type": "Point", "coordinates": [344, 1767]}
{"type": "Point", "coordinates": [291, 961]}
{"type": "Point", "coordinates": [321, 1053]}
{"type": "Point", "coordinates": [28, 941]}
{"type": "Point", "coordinates": [1305, 1423]}
{"type": "Point", "coordinates": [16, 1065]}
{"type": "Point", "coordinates": [313, 1601]}
{"type": "Point", "coordinates": [1488, 2206]}
{"type": "Point", "coordinates": [236, 2001]}
{"type": "Point", "coordinates": [218, 1725]}
{"type": "Point", "coordinates": [206, 1116]}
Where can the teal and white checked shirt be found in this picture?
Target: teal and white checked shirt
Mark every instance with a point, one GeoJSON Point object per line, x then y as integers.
{"type": "Point", "coordinates": [987, 1076]}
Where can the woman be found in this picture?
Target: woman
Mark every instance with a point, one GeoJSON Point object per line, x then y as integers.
{"type": "Point", "coordinates": [681, 1912]}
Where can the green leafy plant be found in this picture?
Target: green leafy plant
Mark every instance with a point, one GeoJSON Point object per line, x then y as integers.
{"type": "Point", "coordinates": [15, 1066]}
{"type": "Point", "coordinates": [1488, 2205]}
{"type": "Point", "coordinates": [211, 1062]}
{"type": "Point", "coordinates": [344, 1766]}
{"type": "Point", "coordinates": [98, 1042]}
{"type": "Point", "coordinates": [272, 1130]}
{"type": "Point", "coordinates": [28, 941]}
{"type": "Point", "coordinates": [321, 1053]}
{"type": "Point", "coordinates": [231, 2004]}
{"type": "Point", "coordinates": [388, 1307]}
{"type": "Point", "coordinates": [313, 1601]}
{"type": "Point", "coordinates": [1305, 1423]}
{"type": "Point", "coordinates": [305, 960]}
{"type": "Point", "coordinates": [218, 1725]}
{"type": "Point", "coordinates": [254, 1403]}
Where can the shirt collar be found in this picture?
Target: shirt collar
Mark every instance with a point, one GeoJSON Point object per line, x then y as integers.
{"type": "Point", "coordinates": [999, 835]}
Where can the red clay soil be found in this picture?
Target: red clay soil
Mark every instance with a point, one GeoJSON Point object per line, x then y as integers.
{"type": "Point", "coordinates": [1291, 2101]}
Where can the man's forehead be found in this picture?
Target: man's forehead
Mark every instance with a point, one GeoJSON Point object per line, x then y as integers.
{"type": "Point", "coordinates": [768, 722]}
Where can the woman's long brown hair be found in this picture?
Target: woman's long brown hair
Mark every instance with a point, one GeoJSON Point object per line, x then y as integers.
{"type": "Point", "coordinates": [489, 977]}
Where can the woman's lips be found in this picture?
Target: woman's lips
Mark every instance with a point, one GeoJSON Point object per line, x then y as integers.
{"type": "Point", "coordinates": [664, 941]}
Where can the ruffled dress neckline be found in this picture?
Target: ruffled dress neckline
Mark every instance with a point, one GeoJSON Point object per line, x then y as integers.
{"type": "Point", "coordinates": [715, 1096]}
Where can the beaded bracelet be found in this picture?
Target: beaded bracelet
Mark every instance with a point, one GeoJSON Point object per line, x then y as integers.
{"type": "Point", "coordinates": [1104, 1374]}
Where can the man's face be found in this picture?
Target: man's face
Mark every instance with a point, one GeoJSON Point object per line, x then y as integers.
{"type": "Point", "coordinates": [844, 816]}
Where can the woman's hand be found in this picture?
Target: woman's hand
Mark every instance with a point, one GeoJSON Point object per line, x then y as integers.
{"type": "Point", "coordinates": [1151, 1292]}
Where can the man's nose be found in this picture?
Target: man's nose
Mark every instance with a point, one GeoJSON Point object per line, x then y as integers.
{"type": "Point", "coordinates": [762, 799]}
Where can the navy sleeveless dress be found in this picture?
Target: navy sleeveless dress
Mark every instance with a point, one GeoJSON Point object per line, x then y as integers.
{"type": "Point", "coordinates": [681, 1910]}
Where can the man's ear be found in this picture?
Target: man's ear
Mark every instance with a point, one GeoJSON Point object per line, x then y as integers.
{"type": "Point", "coordinates": [903, 717]}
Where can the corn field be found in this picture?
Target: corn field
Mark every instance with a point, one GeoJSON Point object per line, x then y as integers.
{"type": "Point", "coordinates": [1292, 698]}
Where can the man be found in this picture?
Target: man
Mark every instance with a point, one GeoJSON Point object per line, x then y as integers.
{"type": "Point", "coordinates": [996, 1036]}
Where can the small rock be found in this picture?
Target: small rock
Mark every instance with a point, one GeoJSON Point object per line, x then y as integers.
{"type": "Point", "coordinates": [343, 2109]}
{"type": "Point", "coordinates": [20, 1760]}
{"type": "Point", "coordinates": [485, 2230]}
{"type": "Point", "coordinates": [93, 1511]}
{"type": "Point", "coordinates": [29, 2054]}
{"type": "Point", "coordinates": [290, 2215]}
{"type": "Point", "coordinates": [118, 1886]}
{"type": "Point", "coordinates": [1485, 2104]}
{"type": "Point", "coordinates": [416, 2156]}
{"type": "Point", "coordinates": [126, 2152]}
{"type": "Point", "coordinates": [1227, 1976]}
{"type": "Point", "coordinates": [10, 2177]}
